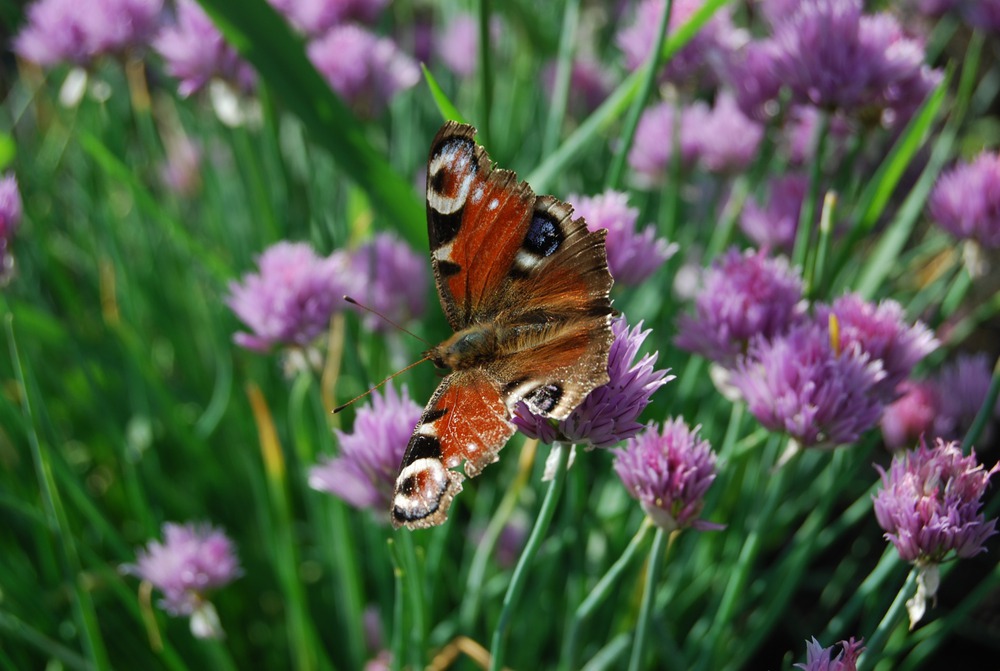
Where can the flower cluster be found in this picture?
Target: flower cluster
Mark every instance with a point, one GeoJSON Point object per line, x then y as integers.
{"type": "Point", "coordinates": [363, 68]}
{"type": "Point", "coordinates": [610, 413]}
{"type": "Point", "coordinates": [315, 17]}
{"type": "Point", "coordinates": [81, 31]}
{"type": "Point", "coordinates": [831, 55]}
{"type": "Point", "coordinates": [10, 220]}
{"type": "Point", "coordinates": [191, 562]}
{"type": "Point", "coordinates": [882, 333]}
{"type": "Point", "coordinates": [290, 301]}
{"type": "Point", "coordinates": [773, 225]}
{"type": "Point", "coordinates": [633, 256]}
{"type": "Point", "coordinates": [722, 139]}
{"type": "Point", "coordinates": [701, 59]}
{"type": "Point", "coordinates": [669, 471]}
{"type": "Point", "coordinates": [196, 53]}
{"type": "Point", "coordinates": [929, 504]}
{"type": "Point", "coordinates": [966, 201]}
{"type": "Point", "coordinates": [802, 384]}
{"type": "Point", "coordinates": [389, 277]}
{"type": "Point", "coordinates": [819, 658]}
{"type": "Point", "coordinates": [943, 405]}
{"type": "Point", "coordinates": [744, 295]}
{"type": "Point", "coordinates": [363, 474]}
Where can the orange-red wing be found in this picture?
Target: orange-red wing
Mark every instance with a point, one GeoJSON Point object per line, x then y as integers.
{"type": "Point", "coordinates": [477, 217]}
{"type": "Point", "coordinates": [466, 419]}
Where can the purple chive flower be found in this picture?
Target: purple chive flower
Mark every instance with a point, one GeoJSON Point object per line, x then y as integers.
{"type": "Point", "coordinates": [966, 200]}
{"type": "Point", "coordinates": [819, 658]}
{"type": "Point", "coordinates": [196, 53]}
{"type": "Point", "coordinates": [699, 61]}
{"type": "Point", "coordinates": [745, 295]}
{"type": "Point", "coordinates": [799, 383]}
{"type": "Point", "coordinates": [633, 256]}
{"type": "Point", "coordinates": [391, 279]}
{"type": "Point", "coordinates": [930, 501]}
{"type": "Point", "coordinates": [80, 31]}
{"type": "Point", "coordinates": [983, 14]}
{"type": "Point", "coordinates": [881, 331]}
{"type": "Point", "coordinates": [290, 301]}
{"type": "Point", "coordinates": [727, 139]}
{"type": "Point", "coordinates": [609, 414]}
{"type": "Point", "coordinates": [363, 68]}
{"type": "Point", "coordinates": [363, 475]}
{"type": "Point", "coordinates": [774, 225]}
{"type": "Point", "coordinates": [192, 561]}
{"type": "Point", "coordinates": [10, 220]}
{"type": "Point", "coordinates": [910, 416]}
{"type": "Point", "coordinates": [669, 471]}
{"type": "Point", "coordinates": [458, 47]}
{"type": "Point", "coordinates": [829, 54]}
{"type": "Point", "coordinates": [655, 141]}
{"type": "Point", "coordinates": [753, 76]}
{"type": "Point", "coordinates": [315, 17]}
{"type": "Point", "coordinates": [961, 388]}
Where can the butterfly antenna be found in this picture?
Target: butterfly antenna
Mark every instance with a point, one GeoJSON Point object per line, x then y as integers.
{"type": "Point", "coordinates": [360, 396]}
{"type": "Point", "coordinates": [382, 316]}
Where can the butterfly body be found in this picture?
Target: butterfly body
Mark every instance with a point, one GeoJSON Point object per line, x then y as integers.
{"type": "Point", "coordinates": [525, 288]}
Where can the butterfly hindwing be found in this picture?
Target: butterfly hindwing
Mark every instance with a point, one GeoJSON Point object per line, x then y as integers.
{"type": "Point", "coordinates": [466, 419]}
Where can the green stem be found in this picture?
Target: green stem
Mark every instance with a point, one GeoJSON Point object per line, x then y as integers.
{"type": "Point", "coordinates": [660, 543]}
{"type": "Point", "coordinates": [650, 72]}
{"type": "Point", "coordinates": [807, 215]}
{"type": "Point", "coordinates": [415, 591]}
{"type": "Point", "coordinates": [519, 579]}
{"type": "Point", "coordinates": [598, 595]}
{"type": "Point", "coordinates": [892, 618]}
{"type": "Point", "coordinates": [817, 265]}
{"type": "Point", "coordinates": [57, 521]}
{"type": "Point", "coordinates": [564, 75]}
{"type": "Point", "coordinates": [986, 411]}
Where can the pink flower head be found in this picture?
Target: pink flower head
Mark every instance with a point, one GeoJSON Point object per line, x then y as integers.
{"type": "Point", "coordinates": [910, 416]}
{"type": "Point", "coordinates": [10, 220]}
{"type": "Point", "coordinates": [930, 503]}
{"type": "Point", "coordinates": [610, 413]}
{"type": "Point", "coordinates": [79, 31]}
{"type": "Point", "coordinates": [801, 384]}
{"type": "Point", "coordinates": [656, 141]}
{"type": "Point", "coordinates": [883, 333]}
{"type": "Point", "coordinates": [192, 561]}
{"type": "Point", "coordinates": [364, 473]}
{"type": "Point", "coordinates": [195, 52]}
{"type": "Point", "coordinates": [315, 17]}
{"type": "Point", "coordinates": [669, 471]}
{"type": "Point", "coordinates": [774, 224]}
{"type": "Point", "coordinates": [819, 658]}
{"type": "Point", "coordinates": [633, 256]}
{"type": "Point", "coordinates": [966, 200]}
{"type": "Point", "coordinates": [744, 295]}
{"type": "Point", "coordinates": [363, 68]}
{"type": "Point", "coordinates": [390, 278]}
{"type": "Point", "coordinates": [290, 301]}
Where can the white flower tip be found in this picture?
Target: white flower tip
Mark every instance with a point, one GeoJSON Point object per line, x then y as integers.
{"type": "Point", "coordinates": [205, 622]}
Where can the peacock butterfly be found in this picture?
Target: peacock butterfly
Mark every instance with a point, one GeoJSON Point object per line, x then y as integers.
{"type": "Point", "coordinates": [525, 288]}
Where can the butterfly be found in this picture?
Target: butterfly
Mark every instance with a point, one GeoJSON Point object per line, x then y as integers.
{"type": "Point", "coordinates": [525, 288]}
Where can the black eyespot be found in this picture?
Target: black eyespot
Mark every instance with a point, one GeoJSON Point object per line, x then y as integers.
{"type": "Point", "coordinates": [545, 398]}
{"type": "Point", "coordinates": [544, 236]}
